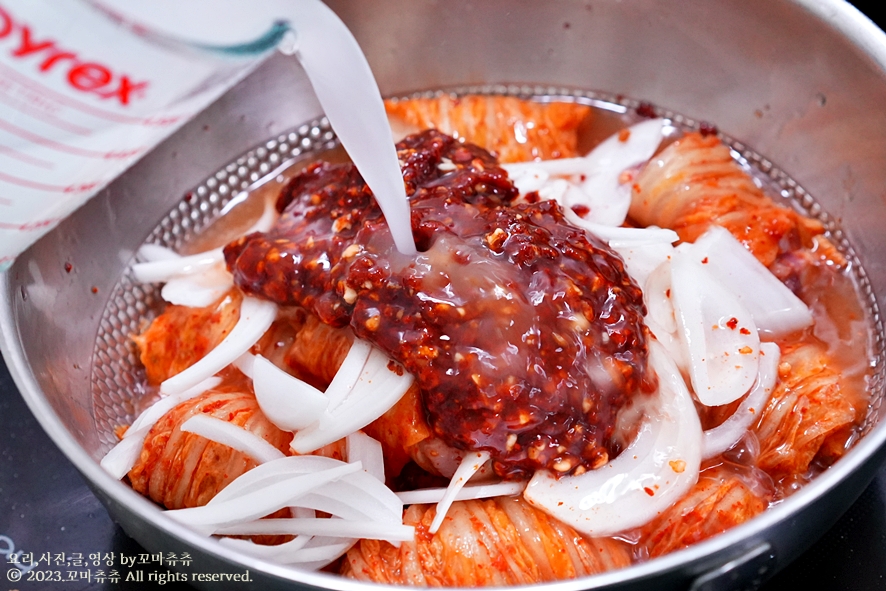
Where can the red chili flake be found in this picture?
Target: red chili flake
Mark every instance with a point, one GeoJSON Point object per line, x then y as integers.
{"type": "Point", "coordinates": [645, 109]}
{"type": "Point", "coordinates": [68, 267]}
{"type": "Point", "coordinates": [189, 196]}
{"type": "Point", "coordinates": [624, 135]}
{"type": "Point", "coordinates": [744, 331]}
{"type": "Point", "coordinates": [706, 129]}
{"type": "Point", "coordinates": [94, 289]}
{"type": "Point", "coordinates": [581, 210]}
{"type": "Point", "coordinates": [704, 261]}
{"type": "Point", "coordinates": [668, 293]}
{"type": "Point", "coordinates": [732, 323]}
{"type": "Point", "coordinates": [649, 491]}
{"type": "Point", "coordinates": [395, 367]}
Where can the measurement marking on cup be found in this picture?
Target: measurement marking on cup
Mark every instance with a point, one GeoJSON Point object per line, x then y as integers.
{"type": "Point", "coordinates": [20, 104]}
{"type": "Point", "coordinates": [26, 158]}
{"type": "Point", "coordinates": [54, 145]}
{"type": "Point", "coordinates": [71, 102]}
{"type": "Point", "coordinates": [81, 188]}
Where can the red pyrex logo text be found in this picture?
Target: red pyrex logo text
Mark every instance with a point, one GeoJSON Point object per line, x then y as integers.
{"type": "Point", "coordinates": [84, 76]}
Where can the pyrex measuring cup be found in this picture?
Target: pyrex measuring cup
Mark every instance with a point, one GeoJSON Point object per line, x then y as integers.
{"type": "Point", "coordinates": [88, 87]}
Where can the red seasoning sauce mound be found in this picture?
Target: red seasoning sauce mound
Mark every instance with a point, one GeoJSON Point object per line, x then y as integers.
{"type": "Point", "coordinates": [524, 333]}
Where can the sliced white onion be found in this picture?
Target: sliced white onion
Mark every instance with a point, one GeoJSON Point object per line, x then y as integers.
{"type": "Point", "coordinates": [544, 169]}
{"type": "Point", "coordinates": [320, 556]}
{"type": "Point", "coordinates": [377, 501]}
{"type": "Point", "coordinates": [340, 528]}
{"type": "Point", "coordinates": [298, 551]}
{"type": "Point", "coordinates": [670, 342]}
{"type": "Point", "coordinates": [302, 511]}
{"type": "Point", "coordinates": [233, 436]}
{"type": "Point", "coordinates": [287, 401]}
{"type": "Point", "coordinates": [346, 499]}
{"type": "Point", "coordinates": [155, 252]}
{"type": "Point", "coordinates": [246, 364]}
{"type": "Point", "coordinates": [621, 237]}
{"type": "Point", "coordinates": [642, 259]}
{"type": "Point", "coordinates": [718, 333]}
{"type": "Point", "coordinates": [656, 469]}
{"type": "Point", "coordinates": [528, 178]}
{"type": "Point", "coordinates": [212, 516]}
{"type": "Point", "coordinates": [198, 290]}
{"type": "Point", "coordinates": [471, 491]}
{"type": "Point", "coordinates": [609, 199]}
{"type": "Point", "coordinates": [727, 434]}
{"type": "Point", "coordinates": [593, 181]}
{"type": "Point", "coordinates": [657, 297]}
{"type": "Point", "coordinates": [276, 553]}
{"type": "Point", "coordinates": [123, 456]}
{"type": "Point", "coordinates": [375, 391]}
{"type": "Point", "coordinates": [643, 249]}
{"type": "Point", "coordinates": [360, 506]}
{"type": "Point", "coordinates": [470, 465]}
{"type": "Point", "coordinates": [162, 406]}
{"type": "Point", "coordinates": [660, 316]}
{"type": "Point", "coordinates": [368, 451]}
{"type": "Point", "coordinates": [776, 310]}
{"type": "Point", "coordinates": [271, 473]}
{"type": "Point", "coordinates": [562, 191]}
{"type": "Point", "coordinates": [256, 316]}
{"type": "Point", "coordinates": [368, 498]}
{"type": "Point", "coordinates": [157, 271]}
{"type": "Point", "coordinates": [348, 372]}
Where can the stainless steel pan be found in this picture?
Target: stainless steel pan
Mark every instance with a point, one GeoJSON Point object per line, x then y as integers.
{"type": "Point", "coordinates": [802, 82]}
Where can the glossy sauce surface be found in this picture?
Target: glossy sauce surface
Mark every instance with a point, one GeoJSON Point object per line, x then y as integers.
{"type": "Point", "coordinates": [525, 334]}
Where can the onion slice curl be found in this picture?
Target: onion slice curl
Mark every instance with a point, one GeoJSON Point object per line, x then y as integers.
{"type": "Point", "coordinates": [656, 469]}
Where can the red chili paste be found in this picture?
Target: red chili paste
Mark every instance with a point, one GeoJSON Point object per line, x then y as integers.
{"type": "Point", "coordinates": [524, 333]}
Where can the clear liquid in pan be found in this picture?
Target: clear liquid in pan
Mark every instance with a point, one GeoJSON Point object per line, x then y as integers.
{"type": "Point", "coordinates": [843, 307]}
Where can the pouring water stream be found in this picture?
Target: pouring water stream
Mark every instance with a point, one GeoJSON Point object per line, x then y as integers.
{"type": "Point", "coordinates": [347, 90]}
